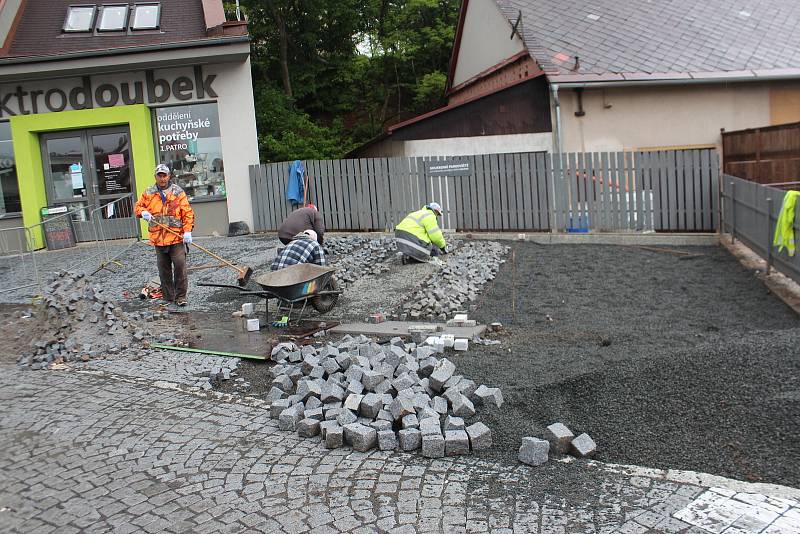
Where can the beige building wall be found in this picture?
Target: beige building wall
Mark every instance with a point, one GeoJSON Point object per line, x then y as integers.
{"type": "Point", "coordinates": [485, 40]}
{"type": "Point", "coordinates": [665, 116]}
{"type": "Point", "coordinates": [237, 124]}
{"type": "Point", "coordinates": [461, 146]}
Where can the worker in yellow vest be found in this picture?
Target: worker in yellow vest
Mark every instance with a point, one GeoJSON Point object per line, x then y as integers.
{"type": "Point", "coordinates": [418, 236]}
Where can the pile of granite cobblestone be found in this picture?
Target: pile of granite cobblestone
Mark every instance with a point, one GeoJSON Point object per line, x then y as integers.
{"type": "Point", "coordinates": [75, 322]}
{"type": "Point", "coordinates": [458, 282]}
{"type": "Point", "coordinates": [393, 396]}
{"type": "Point", "coordinates": [357, 256]}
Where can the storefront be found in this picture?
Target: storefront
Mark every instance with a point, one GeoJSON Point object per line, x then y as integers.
{"type": "Point", "coordinates": [83, 129]}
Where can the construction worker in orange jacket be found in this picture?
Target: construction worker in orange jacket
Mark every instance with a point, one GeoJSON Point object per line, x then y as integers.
{"type": "Point", "coordinates": [165, 203]}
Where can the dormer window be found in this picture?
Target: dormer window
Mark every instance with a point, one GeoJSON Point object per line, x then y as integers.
{"type": "Point", "coordinates": [145, 16]}
{"type": "Point", "coordinates": [79, 19]}
{"type": "Point", "coordinates": [113, 18]}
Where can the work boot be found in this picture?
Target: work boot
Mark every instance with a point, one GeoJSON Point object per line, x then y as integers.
{"type": "Point", "coordinates": [181, 302]}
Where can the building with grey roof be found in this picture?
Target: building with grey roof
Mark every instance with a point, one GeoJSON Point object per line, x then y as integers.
{"type": "Point", "coordinates": [609, 75]}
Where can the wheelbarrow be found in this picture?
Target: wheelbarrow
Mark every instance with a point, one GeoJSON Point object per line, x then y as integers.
{"type": "Point", "coordinates": [305, 283]}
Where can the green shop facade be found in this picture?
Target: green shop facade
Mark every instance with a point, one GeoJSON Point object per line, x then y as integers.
{"type": "Point", "coordinates": [81, 132]}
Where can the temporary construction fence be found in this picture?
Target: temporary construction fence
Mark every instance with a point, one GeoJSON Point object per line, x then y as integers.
{"type": "Point", "coordinates": [603, 191]}
{"type": "Point", "coordinates": [106, 232]}
{"type": "Point", "coordinates": [750, 213]}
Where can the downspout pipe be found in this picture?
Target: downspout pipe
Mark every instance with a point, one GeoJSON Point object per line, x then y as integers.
{"type": "Point", "coordinates": [557, 137]}
{"type": "Point", "coordinates": [556, 153]}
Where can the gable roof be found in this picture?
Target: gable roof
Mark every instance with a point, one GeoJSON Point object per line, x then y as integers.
{"type": "Point", "coordinates": [660, 39]}
{"type": "Point", "coordinates": [38, 33]}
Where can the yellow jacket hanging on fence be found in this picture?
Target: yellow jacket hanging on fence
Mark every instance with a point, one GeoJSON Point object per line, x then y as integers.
{"type": "Point", "coordinates": [422, 224]}
{"type": "Point", "coordinates": [784, 230]}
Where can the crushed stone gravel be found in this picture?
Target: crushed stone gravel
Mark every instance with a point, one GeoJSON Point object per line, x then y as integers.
{"type": "Point", "coordinates": [667, 363]}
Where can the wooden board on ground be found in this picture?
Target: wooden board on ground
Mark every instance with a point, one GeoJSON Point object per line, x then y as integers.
{"type": "Point", "coordinates": [400, 328]}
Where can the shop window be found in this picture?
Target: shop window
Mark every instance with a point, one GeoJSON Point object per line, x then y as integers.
{"type": "Point", "coordinates": [9, 189]}
{"type": "Point", "coordinates": [113, 18]}
{"type": "Point", "coordinates": [189, 143]}
{"type": "Point", "coordinates": [145, 16]}
{"type": "Point", "coordinates": [79, 19]}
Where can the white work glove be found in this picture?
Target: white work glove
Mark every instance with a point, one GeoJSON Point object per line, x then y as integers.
{"type": "Point", "coordinates": [187, 237]}
{"type": "Point", "coordinates": [146, 215]}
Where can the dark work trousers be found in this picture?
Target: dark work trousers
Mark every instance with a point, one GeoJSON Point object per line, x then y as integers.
{"type": "Point", "coordinates": [172, 271]}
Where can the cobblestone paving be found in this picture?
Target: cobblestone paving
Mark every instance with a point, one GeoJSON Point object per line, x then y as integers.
{"type": "Point", "coordinates": [177, 367]}
{"type": "Point", "coordinates": [82, 453]}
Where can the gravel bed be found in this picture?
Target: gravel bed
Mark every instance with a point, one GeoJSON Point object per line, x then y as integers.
{"type": "Point", "coordinates": [668, 363]}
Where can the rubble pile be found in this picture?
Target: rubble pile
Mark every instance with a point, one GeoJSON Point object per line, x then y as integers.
{"type": "Point", "coordinates": [395, 396]}
{"type": "Point", "coordinates": [75, 322]}
{"type": "Point", "coordinates": [356, 256]}
{"type": "Point", "coordinates": [460, 280]}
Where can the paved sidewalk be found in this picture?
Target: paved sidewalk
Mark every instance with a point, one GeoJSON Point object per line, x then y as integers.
{"type": "Point", "coordinates": [82, 453]}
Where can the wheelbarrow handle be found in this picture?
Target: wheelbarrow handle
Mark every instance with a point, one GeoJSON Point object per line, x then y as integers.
{"type": "Point", "coordinates": [242, 290]}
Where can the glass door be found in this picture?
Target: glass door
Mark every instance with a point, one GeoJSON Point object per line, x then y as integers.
{"type": "Point", "coordinates": [66, 175]}
{"type": "Point", "coordinates": [87, 170]}
{"type": "Point", "coordinates": [112, 177]}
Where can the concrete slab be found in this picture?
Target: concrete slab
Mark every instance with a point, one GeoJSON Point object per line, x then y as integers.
{"type": "Point", "coordinates": [400, 328]}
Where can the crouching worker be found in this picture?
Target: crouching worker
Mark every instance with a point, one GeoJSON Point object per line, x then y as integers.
{"type": "Point", "coordinates": [303, 248]}
{"type": "Point", "coordinates": [171, 219]}
{"type": "Point", "coordinates": [418, 236]}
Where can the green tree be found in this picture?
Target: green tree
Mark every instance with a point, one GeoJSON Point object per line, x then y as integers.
{"type": "Point", "coordinates": [331, 74]}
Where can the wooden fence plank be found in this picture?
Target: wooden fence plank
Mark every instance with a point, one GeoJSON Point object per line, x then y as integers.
{"type": "Point", "coordinates": [558, 191]}
{"type": "Point", "coordinates": [680, 189]}
{"type": "Point", "coordinates": [591, 191]}
{"type": "Point", "coordinates": [692, 180]}
{"type": "Point", "coordinates": [672, 190]}
{"type": "Point", "coordinates": [267, 209]}
{"type": "Point", "coordinates": [705, 189]}
{"type": "Point", "coordinates": [471, 209]}
{"type": "Point", "coordinates": [714, 190]}
{"type": "Point", "coordinates": [544, 193]}
{"type": "Point", "coordinates": [607, 192]}
{"type": "Point", "coordinates": [271, 186]}
{"type": "Point", "coordinates": [647, 190]}
{"type": "Point", "coordinates": [694, 194]}
{"type": "Point", "coordinates": [500, 185]}
{"type": "Point", "coordinates": [615, 185]}
{"type": "Point", "coordinates": [623, 188]}
{"type": "Point", "coordinates": [523, 164]}
{"type": "Point", "coordinates": [584, 163]}
{"type": "Point", "coordinates": [255, 198]}
{"type": "Point", "coordinates": [571, 181]}
{"type": "Point", "coordinates": [638, 195]}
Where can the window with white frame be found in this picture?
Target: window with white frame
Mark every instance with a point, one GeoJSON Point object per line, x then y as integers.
{"type": "Point", "coordinates": [79, 18]}
{"type": "Point", "coordinates": [145, 16]}
{"type": "Point", "coordinates": [113, 18]}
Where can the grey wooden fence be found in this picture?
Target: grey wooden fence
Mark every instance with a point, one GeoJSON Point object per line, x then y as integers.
{"type": "Point", "coordinates": [609, 191]}
{"type": "Point", "coordinates": [750, 213]}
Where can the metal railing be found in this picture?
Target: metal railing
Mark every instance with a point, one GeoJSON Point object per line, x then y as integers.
{"type": "Point", "coordinates": [109, 224]}
{"type": "Point", "coordinates": [750, 213]}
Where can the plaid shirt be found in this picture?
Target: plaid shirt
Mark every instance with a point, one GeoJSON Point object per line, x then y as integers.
{"type": "Point", "coordinates": [299, 251]}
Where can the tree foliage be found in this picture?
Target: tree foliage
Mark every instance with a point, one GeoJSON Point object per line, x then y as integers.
{"type": "Point", "coordinates": [329, 75]}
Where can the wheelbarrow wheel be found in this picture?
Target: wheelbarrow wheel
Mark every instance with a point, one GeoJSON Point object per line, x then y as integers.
{"type": "Point", "coordinates": [325, 303]}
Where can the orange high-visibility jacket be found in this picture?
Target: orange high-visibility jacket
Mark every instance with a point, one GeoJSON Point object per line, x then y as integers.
{"type": "Point", "coordinates": [176, 213]}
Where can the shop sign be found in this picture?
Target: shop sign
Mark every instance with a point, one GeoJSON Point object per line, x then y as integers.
{"type": "Point", "coordinates": [24, 100]}
{"type": "Point", "coordinates": [448, 168]}
{"type": "Point", "coordinates": [179, 127]}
